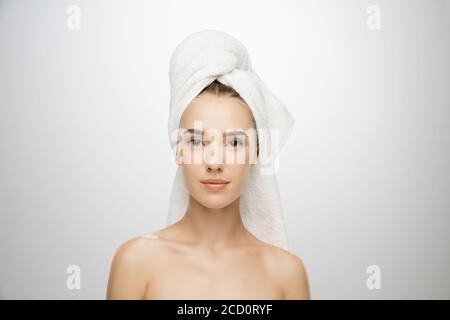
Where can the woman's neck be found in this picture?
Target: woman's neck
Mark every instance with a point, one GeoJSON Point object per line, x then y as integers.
{"type": "Point", "coordinates": [213, 228]}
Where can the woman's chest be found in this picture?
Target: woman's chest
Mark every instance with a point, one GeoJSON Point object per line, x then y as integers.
{"type": "Point", "coordinates": [213, 279]}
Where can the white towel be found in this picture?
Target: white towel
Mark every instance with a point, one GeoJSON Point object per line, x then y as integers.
{"type": "Point", "coordinates": [196, 62]}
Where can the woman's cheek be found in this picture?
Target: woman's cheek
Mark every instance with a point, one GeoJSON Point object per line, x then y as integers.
{"type": "Point", "coordinates": [239, 178]}
{"type": "Point", "coordinates": [190, 176]}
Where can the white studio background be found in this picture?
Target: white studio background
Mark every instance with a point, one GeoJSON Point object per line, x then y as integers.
{"type": "Point", "coordinates": [85, 162]}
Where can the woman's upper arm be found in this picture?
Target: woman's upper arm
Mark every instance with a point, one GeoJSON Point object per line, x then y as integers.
{"type": "Point", "coordinates": [128, 274]}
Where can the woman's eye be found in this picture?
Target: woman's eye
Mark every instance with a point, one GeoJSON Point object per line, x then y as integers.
{"type": "Point", "coordinates": [195, 141]}
{"type": "Point", "coordinates": [234, 143]}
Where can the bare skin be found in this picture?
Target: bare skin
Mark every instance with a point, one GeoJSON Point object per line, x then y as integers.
{"type": "Point", "coordinates": [208, 254]}
{"type": "Point", "coordinates": [216, 259]}
{"type": "Point", "coordinates": [161, 267]}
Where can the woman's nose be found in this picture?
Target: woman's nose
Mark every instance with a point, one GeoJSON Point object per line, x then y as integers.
{"type": "Point", "coordinates": [214, 167]}
{"type": "Point", "coordinates": [214, 157]}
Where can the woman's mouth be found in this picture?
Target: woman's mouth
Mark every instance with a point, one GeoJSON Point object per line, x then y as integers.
{"type": "Point", "coordinates": [215, 184]}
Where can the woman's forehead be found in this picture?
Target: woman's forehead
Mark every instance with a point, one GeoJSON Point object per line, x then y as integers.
{"type": "Point", "coordinates": [217, 112]}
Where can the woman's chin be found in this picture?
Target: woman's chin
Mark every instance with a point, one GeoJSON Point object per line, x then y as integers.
{"type": "Point", "coordinates": [217, 203]}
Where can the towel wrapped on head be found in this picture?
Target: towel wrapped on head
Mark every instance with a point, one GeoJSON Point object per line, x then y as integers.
{"type": "Point", "coordinates": [196, 62]}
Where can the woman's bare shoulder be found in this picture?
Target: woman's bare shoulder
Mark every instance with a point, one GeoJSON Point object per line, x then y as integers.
{"type": "Point", "coordinates": [132, 267]}
{"type": "Point", "coordinates": [139, 248]}
{"type": "Point", "coordinates": [289, 270]}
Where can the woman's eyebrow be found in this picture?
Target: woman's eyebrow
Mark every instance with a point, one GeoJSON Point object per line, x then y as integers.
{"type": "Point", "coordinates": [195, 131]}
{"type": "Point", "coordinates": [228, 133]}
{"type": "Point", "coordinates": [235, 133]}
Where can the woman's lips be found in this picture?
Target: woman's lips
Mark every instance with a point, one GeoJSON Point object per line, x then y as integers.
{"type": "Point", "coordinates": [215, 184]}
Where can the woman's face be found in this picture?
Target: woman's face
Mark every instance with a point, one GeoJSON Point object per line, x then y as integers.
{"type": "Point", "coordinates": [217, 140]}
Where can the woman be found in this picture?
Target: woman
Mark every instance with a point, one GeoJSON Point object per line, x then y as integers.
{"type": "Point", "coordinates": [210, 253]}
